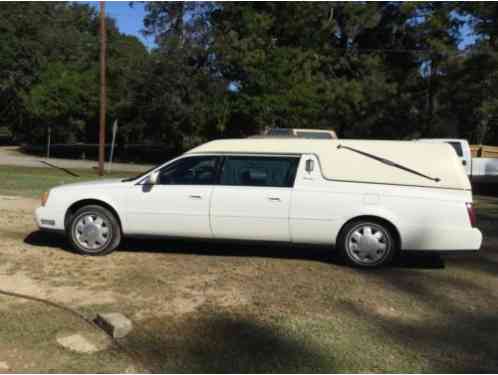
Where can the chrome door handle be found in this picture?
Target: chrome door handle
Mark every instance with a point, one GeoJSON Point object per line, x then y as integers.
{"type": "Point", "coordinates": [195, 196]}
{"type": "Point", "coordinates": [274, 199]}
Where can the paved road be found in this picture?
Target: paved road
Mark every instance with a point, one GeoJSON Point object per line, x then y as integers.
{"type": "Point", "coordinates": [11, 155]}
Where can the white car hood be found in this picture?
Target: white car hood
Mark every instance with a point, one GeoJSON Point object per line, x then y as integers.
{"type": "Point", "coordinates": [93, 184]}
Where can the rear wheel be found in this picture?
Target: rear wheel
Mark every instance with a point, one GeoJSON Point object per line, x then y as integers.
{"type": "Point", "coordinates": [94, 230]}
{"type": "Point", "coordinates": [367, 244]}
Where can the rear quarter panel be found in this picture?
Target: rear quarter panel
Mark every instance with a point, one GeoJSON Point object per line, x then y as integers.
{"type": "Point", "coordinates": [426, 218]}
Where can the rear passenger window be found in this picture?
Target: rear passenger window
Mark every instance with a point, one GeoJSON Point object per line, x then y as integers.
{"type": "Point", "coordinates": [259, 171]}
{"type": "Point", "coordinates": [458, 148]}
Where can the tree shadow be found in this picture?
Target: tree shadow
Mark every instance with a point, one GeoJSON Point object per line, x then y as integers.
{"type": "Point", "coordinates": [453, 337]}
{"type": "Point", "coordinates": [480, 262]}
{"type": "Point", "coordinates": [461, 346]}
{"type": "Point", "coordinates": [237, 249]}
{"type": "Point", "coordinates": [223, 342]}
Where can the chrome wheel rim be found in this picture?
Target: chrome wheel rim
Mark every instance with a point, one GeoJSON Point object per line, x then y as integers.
{"type": "Point", "coordinates": [92, 232]}
{"type": "Point", "coordinates": [368, 244]}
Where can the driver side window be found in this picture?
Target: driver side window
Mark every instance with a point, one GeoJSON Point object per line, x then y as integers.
{"type": "Point", "coordinates": [194, 170]}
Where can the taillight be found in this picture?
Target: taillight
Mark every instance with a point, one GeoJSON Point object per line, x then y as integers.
{"type": "Point", "coordinates": [472, 214]}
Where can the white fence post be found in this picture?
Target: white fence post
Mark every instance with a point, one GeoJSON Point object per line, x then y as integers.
{"type": "Point", "coordinates": [48, 142]}
{"type": "Point", "coordinates": [114, 131]}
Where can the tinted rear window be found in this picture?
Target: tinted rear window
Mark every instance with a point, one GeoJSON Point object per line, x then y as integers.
{"type": "Point", "coordinates": [458, 148]}
{"type": "Point", "coordinates": [259, 171]}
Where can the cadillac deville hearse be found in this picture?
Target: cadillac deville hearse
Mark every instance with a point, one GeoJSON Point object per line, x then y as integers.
{"type": "Point", "coordinates": [366, 199]}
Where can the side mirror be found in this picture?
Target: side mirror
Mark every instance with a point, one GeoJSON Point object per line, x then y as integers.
{"type": "Point", "coordinates": [309, 165]}
{"type": "Point", "coordinates": [153, 178]}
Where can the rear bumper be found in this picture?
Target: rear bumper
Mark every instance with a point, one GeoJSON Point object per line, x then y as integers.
{"type": "Point", "coordinates": [443, 240]}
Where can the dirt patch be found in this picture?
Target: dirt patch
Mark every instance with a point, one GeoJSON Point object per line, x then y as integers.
{"type": "Point", "coordinates": [36, 265]}
{"type": "Point", "coordinates": [188, 294]}
{"type": "Point", "coordinates": [19, 282]}
{"type": "Point", "coordinates": [17, 204]}
{"type": "Point", "coordinates": [199, 307]}
{"type": "Point", "coordinates": [4, 366]}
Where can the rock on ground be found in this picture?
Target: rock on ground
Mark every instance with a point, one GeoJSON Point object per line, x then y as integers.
{"type": "Point", "coordinates": [115, 324]}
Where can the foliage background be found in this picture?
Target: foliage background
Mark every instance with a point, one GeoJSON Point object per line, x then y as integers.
{"type": "Point", "coordinates": [378, 70]}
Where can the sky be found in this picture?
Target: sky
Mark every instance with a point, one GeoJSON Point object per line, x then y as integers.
{"type": "Point", "coordinates": [130, 21]}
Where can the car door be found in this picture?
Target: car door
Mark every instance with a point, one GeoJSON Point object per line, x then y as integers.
{"type": "Point", "coordinates": [179, 204]}
{"type": "Point", "coordinates": [253, 197]}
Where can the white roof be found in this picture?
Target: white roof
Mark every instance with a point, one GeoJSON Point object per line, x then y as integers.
{"type": "Point", "coordinates": [438, 160]}
{"type": "Point", "coordinates": [441, 140]}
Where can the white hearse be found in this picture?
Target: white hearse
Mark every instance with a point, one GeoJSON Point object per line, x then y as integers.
{"type": "Point", "coordinates": [369, 199]}
{"type": "Point", "coordinates": [479, 169]}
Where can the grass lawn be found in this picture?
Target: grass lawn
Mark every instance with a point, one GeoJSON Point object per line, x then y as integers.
{"type": "Point", "coordinates": [28, 342]}
{"type": "Point", "coordinates": [207, 307]}
{"type": "Point", "coordinates": [31, 182]}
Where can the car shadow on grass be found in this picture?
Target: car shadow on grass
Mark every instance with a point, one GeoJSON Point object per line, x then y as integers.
{"type": "Point", "coordinates": [47, 239]}
{"type": "Point", "coordinates": [237, 249]}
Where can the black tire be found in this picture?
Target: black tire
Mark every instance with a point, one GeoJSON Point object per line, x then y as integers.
{"type": "Point", "coordinates": [352, 253]}
{"type": "Point", "coordinates": [110, 239]}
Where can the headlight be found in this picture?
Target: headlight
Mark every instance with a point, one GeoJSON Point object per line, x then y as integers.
{"type": "Point", "coordinates": [44, 198]}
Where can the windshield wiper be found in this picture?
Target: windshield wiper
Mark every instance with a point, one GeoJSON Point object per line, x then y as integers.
{"type": "Point", "coordinates": [389, 162]}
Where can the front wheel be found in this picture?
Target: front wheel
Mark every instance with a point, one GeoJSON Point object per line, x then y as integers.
{"type": "Point", "coordinates": [367, 244]}
{"type": "Point", "coordinates": [94, 230]}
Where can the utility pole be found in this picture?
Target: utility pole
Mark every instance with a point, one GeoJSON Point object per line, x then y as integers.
{"type": "Point", "coordinates": [103, 43]}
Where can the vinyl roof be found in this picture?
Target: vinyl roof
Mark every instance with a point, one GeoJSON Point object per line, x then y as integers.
{"type": "Point", "coordinates": [339, 162]}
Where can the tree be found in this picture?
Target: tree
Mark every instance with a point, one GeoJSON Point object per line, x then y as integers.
{"type": "Point", "coordinates": [374, 70]}
{"type": "Point", "coordinates": [474, 82]}
{"type": "Point", "coordinates": [179, 95]}
{"type": "Point", "coordinates": [49, 70]}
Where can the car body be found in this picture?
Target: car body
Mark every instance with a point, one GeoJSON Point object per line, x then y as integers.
{"type": "Point", "coordinates": [479, 169]}
{"type": "Point", "coordinates": [352, 194]}
{"type": "Point", "coordinates": [461, 147]}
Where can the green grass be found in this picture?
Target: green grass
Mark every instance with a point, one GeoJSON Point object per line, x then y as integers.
{"type": "Point", "coordinates": [34, 328]}
{"type": "Point", "coordinates": [31, 182]}
{"type": "Point", "coordinates": [261, 309]}
{"type": "Point", "coordinates": [221, 341]}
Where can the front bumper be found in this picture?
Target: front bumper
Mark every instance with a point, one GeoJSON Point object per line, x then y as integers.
{"type": "Point", "coordinates": [49, 219]}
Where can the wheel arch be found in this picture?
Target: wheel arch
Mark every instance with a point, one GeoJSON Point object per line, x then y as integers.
{"type": "Point", "coordinates": [378, 219]}
{"type": "Point", "coordinates": [87, 202]}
